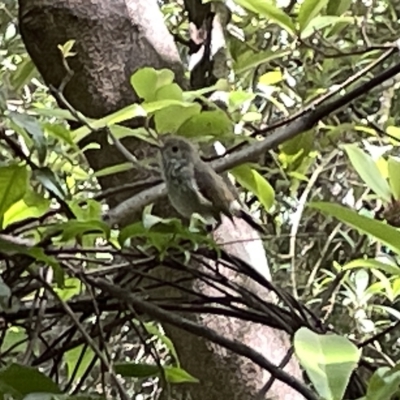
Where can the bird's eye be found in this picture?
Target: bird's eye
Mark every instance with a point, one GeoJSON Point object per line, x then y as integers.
{"type": "Point", "coordinates": [174, 149]}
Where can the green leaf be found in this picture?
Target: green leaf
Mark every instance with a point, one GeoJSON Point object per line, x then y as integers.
{"type": "Point", "coordinates": [25, 380]}
{"type": "Point", "coordinates": [338, 7]}
{"type": "Point", "coordinates": [394, 177]}
{"type": "Point", "coordinates": [370, 263]}
{"type": "Point", "coordinates": [379, 230]}
{"type": "Point", "coordinates": [308, 10]}
{"type": "Point", "coordinates": [384, 383]}
{"type": "Point", "coordinates": [302, 143]}
{"type": "Point", "coordinates": [66, 48]}
{"type": "Point", "coordinates": [72, 287]}
{"type": "Point", "coordinates": [34, 130]}
{"type": "Point", "coordinates": [271, 78]}
{"type": "Point", "coordinates": [142, 370]}
{"type": "Point", "coordinates": [120, 132]}
{"type": "Point", "coordinates": [113, 169]}
{"type": "Point", "coordinates": [33, 205]}
{"type": "Point", "coordinates": [153, 329]}
{"type": "Point", "coordinates": [169, 92]}
{"type": "Point", "coordinates": [52, 112]}
{"type": "Point", "coordinates": [179, 375]}
{"type": "Point", "coordinates": [270, 11]}
{"type": "Point", "coordinates": [91, 210]}
{"type": "Point", "coordinates": [23, 75]}
{"type": "Point", "coordinates": [124, 114]}
{"type": "Point", "coordinates": [329, 361]}
{"type": "Point", "coordinates": [5, 294]}
{"type": "Point", "coordinates": [238, 97]}
{"type": "Point", "coordinates": [15, 337]}
{"type": "Point", "coordinates": [50, 181]}
{"type": "Point", "coordinates": [146, 82]}
{"type": "Point", "coordinates": [137, 370]}
{"type": "Point", "coordinates": [166, 124]}
{"type": "Point", "coordinates": [13, 186]}
{"type": "Point", "coordinates": [59, 131]}
{"type": "Point", "coordinates": [72, 229]}
{"type": "Point", "coordinates": [253, 181]}
{"type": "Point", "coordinates": [73, 356]}
{"type": "Point", "coordinates": [249, 60]}
{"type": "Point", "coordinates": [321, 22]}
{"type": "Point", "coordinates": [368, 171]}
{"type": "Point", "coordinates": [210, 123]}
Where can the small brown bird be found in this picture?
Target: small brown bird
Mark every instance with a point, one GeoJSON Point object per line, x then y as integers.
{"type": "Point", "coordinates": [194, 187]}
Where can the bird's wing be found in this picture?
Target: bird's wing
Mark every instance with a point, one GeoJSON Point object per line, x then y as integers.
{"type": "Point", "coordinates": [213, 188]}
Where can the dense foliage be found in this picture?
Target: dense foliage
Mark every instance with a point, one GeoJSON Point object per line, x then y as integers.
{"type": "Point", "coordinates": [329, 196]}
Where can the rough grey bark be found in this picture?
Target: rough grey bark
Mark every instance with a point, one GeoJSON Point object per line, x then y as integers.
{"type": "Point", "coordinates": [113, 39]}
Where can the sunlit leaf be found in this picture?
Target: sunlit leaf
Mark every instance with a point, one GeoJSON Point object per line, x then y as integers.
{"type": "Point", "coordinates": [146, 81]}
{"type": "Point", "coordinates": [329, 361]}
{"type": "Point", "coordinates": [308, 10]}
{"type": "Point", "coordinates": [322, 21]}
{"type": "Point", "coordinates": [394, 176]}
{"type": "Point", "coordinates": [373, 264]}
{"type": "Point", "coordinates": [73, 356]}
{"type": "Point", "coordinates": [113, 169]}
{"type": "Point", "coordinates": [249, 60]}
{"type": "Point", "coordinates": [33, 205]}
{"type": "Point", "coordinates": [368, 171]}
{"type": "Point", "coordinates": [271, 78]}
{"type": "Point", "coordinates": [269, 10]}
{"type": "Point", "coordinates": [253, 181]}
{"type": "Point", "coordinates": [13, 186]}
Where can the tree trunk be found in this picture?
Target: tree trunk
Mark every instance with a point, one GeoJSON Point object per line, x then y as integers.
{"type": "Point", "coordinates": [113, 39]}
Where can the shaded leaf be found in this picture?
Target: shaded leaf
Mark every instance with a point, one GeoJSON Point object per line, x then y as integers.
{"type": "Point", "coordinates": [379, 230]}
{"type": "Point", "coordinates": [384, 383]}
{"type": "Point", "coordinates": [25, 72]}
{"type": "Point", "coordinates": [211, 123]}
{"type": "Point", "coordinates": [338, 7]}
{"type": "Point", "coordinates": [72, 229]}
{"type": "Point", "coordinates": [34, 130]}
{"type": "Point", "coordinates": [50, 181]}
{"type": "Point", "coordinates": [59, 131]}
{"type": "Point", "coordinates": [25, 380]}
{"type": "Point", "coordinates": [166, 124]}
{"type": "Point", "coordinates": [142, 370]}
